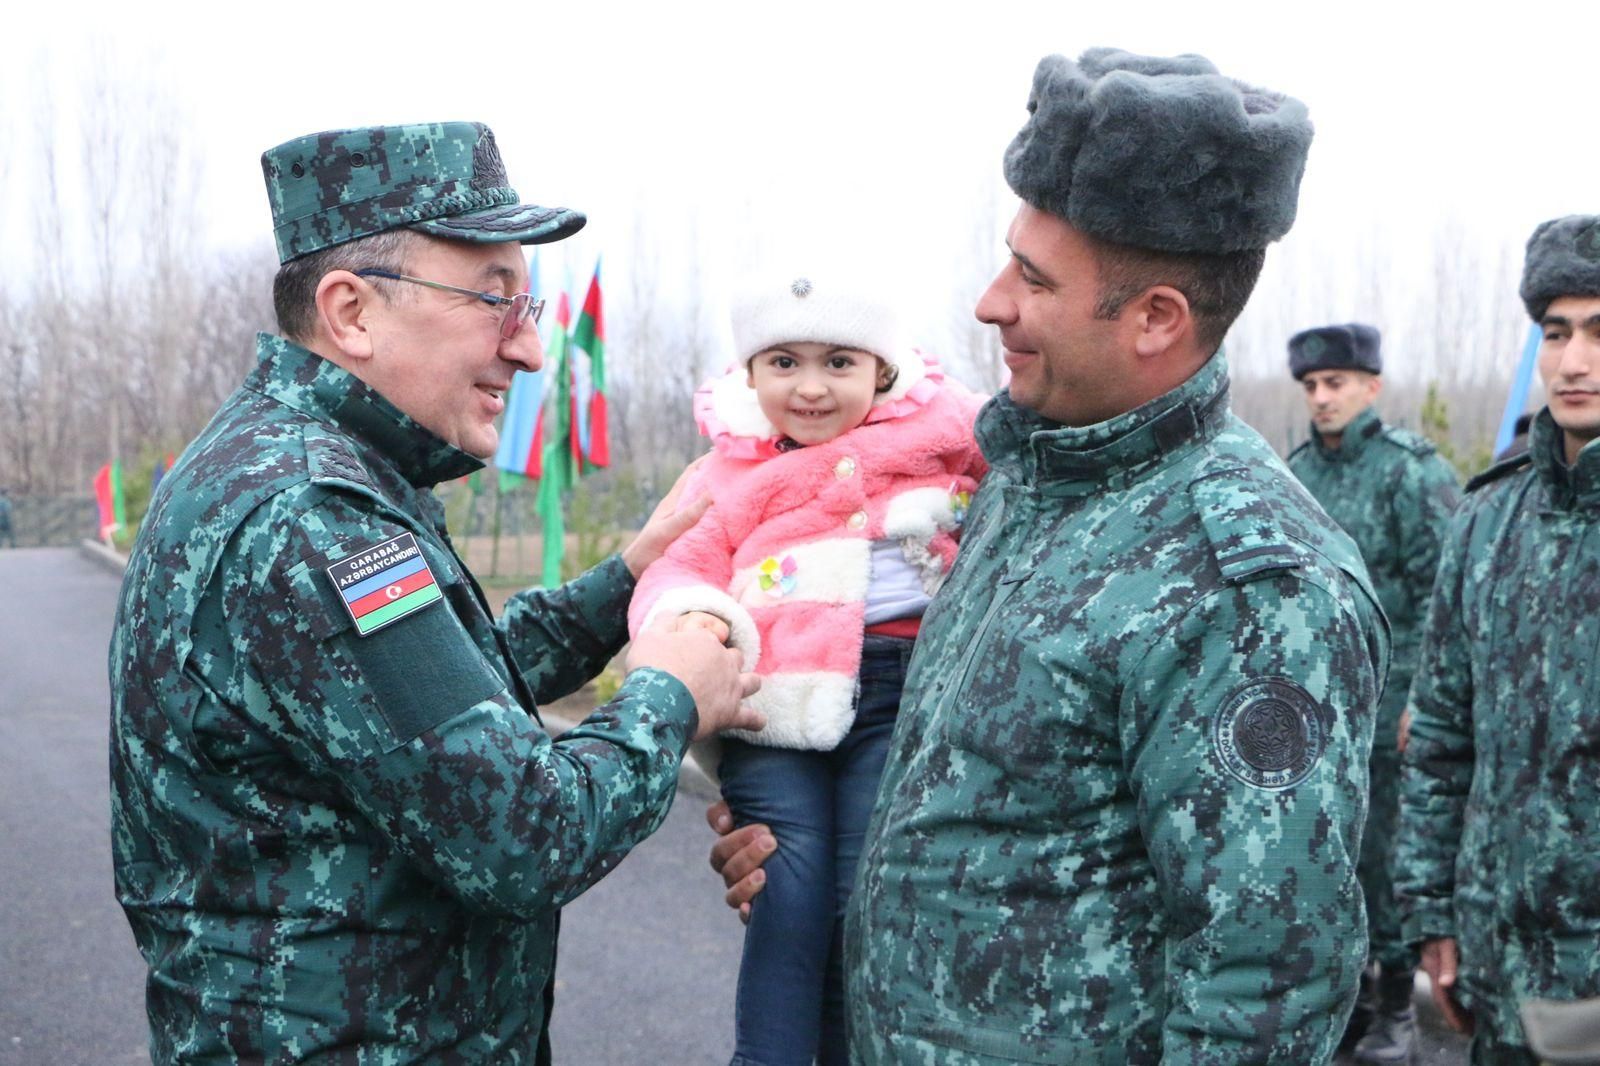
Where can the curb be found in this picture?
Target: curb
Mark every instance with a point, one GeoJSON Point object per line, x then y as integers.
{"type": "Point", "coordinates": [691, 779]}
{"type": "Point", "coordinates": [101, 555]}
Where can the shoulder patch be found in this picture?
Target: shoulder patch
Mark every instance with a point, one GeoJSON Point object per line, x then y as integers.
{"type": "Point", "coordinates": [1269, 733]}
{"type": "Point", "coordinates": [382, 583]}
{"type": "Point", "coordinates": [1415, 443]}
{"type": "Point", "coordinates": [1499, 470]}
{"type": "Point", "coordinates": [331, 459]}
{"type": "Point", "coordinates": [1245, 535]}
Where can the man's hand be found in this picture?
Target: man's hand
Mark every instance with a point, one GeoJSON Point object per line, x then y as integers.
{"type": "Point", "coordinates": [738, 857]}
{"type": "Point", "coordinates": [703, 620]}
{"type": "Point", "coordinates": [665, 525]}
{"type": "Point", "coordinates": [707, 669]}
{"type": "Point", "coordinates": [1439, 962]}
{"type": "Point", "coordinates": [1405, 730]}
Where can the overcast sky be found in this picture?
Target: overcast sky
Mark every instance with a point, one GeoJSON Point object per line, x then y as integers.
{"type": "Point", "coordinates": [723, 133]}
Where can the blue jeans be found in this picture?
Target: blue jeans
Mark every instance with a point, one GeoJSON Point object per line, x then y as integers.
{"type": "Point", "coordinates": [789, 1008]}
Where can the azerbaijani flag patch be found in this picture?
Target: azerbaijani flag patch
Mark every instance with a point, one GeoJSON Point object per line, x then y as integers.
{"type": "Point", "coordinates": [384, 583]}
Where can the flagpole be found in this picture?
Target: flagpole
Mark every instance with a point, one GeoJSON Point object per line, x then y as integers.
{"type": "Point", "coordinates": [1517, 399]}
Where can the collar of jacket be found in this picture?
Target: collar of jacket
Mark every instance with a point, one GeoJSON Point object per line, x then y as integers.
{"type": "Point", "coordinates": [1077, 460]}
{"type": "Point", "coordinates": [322, 390]}
{"type": "Point", "coordinates": [1362, 429]}
{"type": "Point", "coordinates": [1571, 487]}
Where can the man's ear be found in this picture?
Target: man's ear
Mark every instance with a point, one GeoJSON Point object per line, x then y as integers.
{"type": "Point", "coordinates": [1375, 387]}
{"type": "Point", "coordinates": [1160, 318]}
{"type": "Point", "coordinates": [343, 300]}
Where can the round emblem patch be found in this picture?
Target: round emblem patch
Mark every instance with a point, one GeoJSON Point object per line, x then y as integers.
{"type": "Point", "coordinates": [1269, 733]}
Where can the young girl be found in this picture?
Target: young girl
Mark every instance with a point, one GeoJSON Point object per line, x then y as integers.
{"type": "Point", "coordinates": [841, 466]}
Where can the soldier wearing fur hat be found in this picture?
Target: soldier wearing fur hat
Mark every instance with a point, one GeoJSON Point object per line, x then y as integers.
{"type": "Point", "coordinates": [340, 831]}
{"type": "Point", "coordinates": [1393, 493]}
{"type": "Point", "coordinates": [1120, 814]}
{"type": "Point", "coordinates": [1500, 804]}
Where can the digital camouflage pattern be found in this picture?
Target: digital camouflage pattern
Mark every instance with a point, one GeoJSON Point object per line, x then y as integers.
{"type": "Point", "coordinates": [1121, 811]}
{"type": "Point", "coordinates": [1392, 492]}
{"type": "Point", "coordinates": [1500, 802]}
{"type": "Point", "coordinates": [443, 178]}
{"type": "Point", "coordinates": [344, 846]}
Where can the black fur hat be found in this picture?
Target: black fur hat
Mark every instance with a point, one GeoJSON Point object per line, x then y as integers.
{"type": "Point", "coordinates": [1563, 260]}
{"type": "Point", "coordinates": [1352, 346]}
{"type": "Point", "coordinates": [1160, 153]}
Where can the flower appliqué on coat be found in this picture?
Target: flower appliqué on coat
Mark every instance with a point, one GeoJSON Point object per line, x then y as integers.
{"type": "Point", "coordinates": [959, 502]}
{"type": "Point", "coordinates": [777, 577]}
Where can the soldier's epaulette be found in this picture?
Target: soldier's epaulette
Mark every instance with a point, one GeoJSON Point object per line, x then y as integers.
{"type": "Point", "coordinates": [1246, 537]}
{"type": "Point", "coordinates": [330, 460]}
{"type": "Point", "coordinates": [1498, 471]}
{"type": "Point", "coordinates": [1415, 443]}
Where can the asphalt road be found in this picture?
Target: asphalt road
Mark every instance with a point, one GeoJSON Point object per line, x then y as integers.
{"type": "Point", "coordinates": [648, 957]}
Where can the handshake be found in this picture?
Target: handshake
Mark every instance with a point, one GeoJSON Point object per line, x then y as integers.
{"type": "Point", "coordinates": [691, 647]}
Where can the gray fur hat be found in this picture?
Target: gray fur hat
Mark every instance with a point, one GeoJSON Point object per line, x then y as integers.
{"type": "Point", "coordinates": [1160, 153]}
{"type": "Point", "coordinates": [1563, 260]}
{"type": "Point", "coordinates": [1352, 346]}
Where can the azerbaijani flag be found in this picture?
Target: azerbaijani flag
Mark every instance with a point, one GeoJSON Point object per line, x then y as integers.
{"type": "Point", "coordinates": [384, 583]}
{"type": "Point", "coordinates": [561, 453]}
{"type": "Point", "coordinates": [589, 361]}
{"type": "Point", "coordinates": [108, 498]}
{"type": "Point", "coordinates": [520, 443]}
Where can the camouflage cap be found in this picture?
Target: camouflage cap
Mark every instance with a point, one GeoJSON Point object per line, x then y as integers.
{"type": "Point", "coordinates": [442, 178]}
{"type": "Point", "coordinates": [1563, 260]}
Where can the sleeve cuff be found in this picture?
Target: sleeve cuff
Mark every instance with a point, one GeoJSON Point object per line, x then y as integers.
{"type": "Point", "coordinates": [742, 633]}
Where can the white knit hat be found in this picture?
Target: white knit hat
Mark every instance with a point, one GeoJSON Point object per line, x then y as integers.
{"type": "Point", "coordinates": [827, 308]}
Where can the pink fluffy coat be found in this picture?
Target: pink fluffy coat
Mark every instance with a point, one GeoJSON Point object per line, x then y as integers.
{"type": "Point", "coordinates": [784, 553]}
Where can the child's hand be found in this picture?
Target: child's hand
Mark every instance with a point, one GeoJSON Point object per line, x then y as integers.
{"type": "Point", "coordinates": [702, 620]}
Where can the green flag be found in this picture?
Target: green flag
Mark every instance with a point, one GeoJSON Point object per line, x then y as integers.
{"type": "Point", "coordinates": [559, 465]}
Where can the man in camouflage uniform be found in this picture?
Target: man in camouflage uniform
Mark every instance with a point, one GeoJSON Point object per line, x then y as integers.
{"type": "Point", "coordinates": [1499, 865]}
{"type": "Point", "coordinates": [1392, 492]}
{"type": "Point", "coordinates": [340, 831]}
{"type": "Point", "coordinates": [1121, 811]}
{"type": "Point", "coordinates": [5, 519]}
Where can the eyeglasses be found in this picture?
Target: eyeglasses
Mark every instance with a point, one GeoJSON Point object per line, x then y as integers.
{"type": "Point", "coordinates": [519, 308]}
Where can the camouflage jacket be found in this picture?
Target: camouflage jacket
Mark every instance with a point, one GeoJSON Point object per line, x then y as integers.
{"type": "Point", "coordinates": [343, 847]}
{"type": "Point", "coordinates": [1392, 492]}
{"type": "Point", "coordinates": [1122, 807]}
{"type": "Point", "coordinates": [1500, 809]}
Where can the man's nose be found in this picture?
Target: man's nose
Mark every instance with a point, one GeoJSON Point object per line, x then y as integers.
{"type": "Point", "coordinates": [525, 349]}
{"type": "Point", "coordinates": [995, 306]}
{"type": "Point", "coordinates": [1580, 357]}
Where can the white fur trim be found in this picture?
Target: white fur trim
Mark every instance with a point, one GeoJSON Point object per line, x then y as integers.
{"type": "Point", "coordinates": [742, 634]}
{"type": "Point", "coordinates": [736, 406]}
{"type": "Point", "coordinates": [919, 513]}
{"type": "Point", "coordinates": [812, 711]}
{"type": "Point", "coordinates": [826, 571]}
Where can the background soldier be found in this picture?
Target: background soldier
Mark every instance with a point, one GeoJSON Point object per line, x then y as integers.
{"type": "Point", "coordinates": [1391, 491]}
{"type": "Point", "coordinates": [339, 829]}
{"type": "Point", "coordinates": [1500, 825]}
{"type": "Point", "coordinates": [1120, 813]}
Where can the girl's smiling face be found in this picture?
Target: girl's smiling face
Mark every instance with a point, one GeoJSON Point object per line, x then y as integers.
{"type": "Point", "coordinates": [812, 392]}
